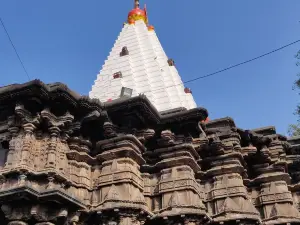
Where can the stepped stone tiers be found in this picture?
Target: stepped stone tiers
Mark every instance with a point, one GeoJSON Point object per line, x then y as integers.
{"type": "Point", "coordinates": [67, 159]}
{"type": "Point", "coordinates": [138, 63]}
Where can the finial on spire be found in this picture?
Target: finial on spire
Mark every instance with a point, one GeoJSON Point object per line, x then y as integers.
{"type": "Point", "coordinates": [137, 14]}
{"type": "Point", "coordinates": [136, 4]}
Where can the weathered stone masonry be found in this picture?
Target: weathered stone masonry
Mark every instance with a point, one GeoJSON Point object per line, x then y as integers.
{"type": "Point", "coordinates": [68, 159]}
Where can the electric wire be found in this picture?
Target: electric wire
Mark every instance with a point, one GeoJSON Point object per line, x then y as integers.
{"type": "Point", "coordinates": [230, 67]}
{"type": "Point", "coordinates": [14, 47]}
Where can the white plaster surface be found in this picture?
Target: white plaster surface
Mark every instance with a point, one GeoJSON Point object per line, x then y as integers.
{"type": "Point", "coordinates": [145, 70]}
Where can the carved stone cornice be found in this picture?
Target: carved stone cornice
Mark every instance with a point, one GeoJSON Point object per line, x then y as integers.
{"type": "Point", "coordinates": [110, 130]}
{"type": "Point", "coordinates": [214, 147]}
{"type": "Point", "coordinates": [26, 116]}
{"type": "Point", "coordinates": [13, 125]}
{"type": "Point", "coordinates": [167, 138]}
{"type": "Point", "coordinates": [94, 115]}
{"type": "Point", "coordinates": [144, 135]}
{"type": "Point", "coordinates": [269, 174]}
{"type": "Point", "coordinates": [29, 193]}
{"type": "Point", "coordinates": [81, 157]}
{"type": "Point", "coordinates": [54, 121]}
{"type": "Point", "coordinates": [121, 146]}
{"type": "Point", "coordinates": [165, 152]}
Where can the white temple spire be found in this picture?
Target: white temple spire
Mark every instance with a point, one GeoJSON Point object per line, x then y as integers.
{"type": "Point", "coordinates": [137, 64]}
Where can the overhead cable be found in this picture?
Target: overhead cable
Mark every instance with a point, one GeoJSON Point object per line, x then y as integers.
{"type": "Point", "coordinates": [231, 67]}
{"type": "Point", "coordinates": [14, 47]}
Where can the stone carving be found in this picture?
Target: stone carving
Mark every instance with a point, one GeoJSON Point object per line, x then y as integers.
{"type": "Point", "coordinates": [167, 138]}
{"type": "Point", "coordinates": [109, 130]}
{"type": "Point", "coordinates": [74, 162]}
{"type": "Point", "coordinates": [26, 116]}
{"type": "Point", "coordinates": [112, 194]}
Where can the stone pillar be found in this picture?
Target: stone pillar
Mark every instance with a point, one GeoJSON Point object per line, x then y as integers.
{"type": "Point", "coordinates": [62, 163]}
{"type": "Point", "coordinates": [125, 220]}
{"type": "Point", "coordinates": [275, 198]}
{"type": "Point", "coordinates": [28, 128]}
{"type": "Point", "coordinates": [156, 203]}
{"type": "Point", "coordinates": [14, 133]}
{"type": "Point", "coordinates": [227, 195]}
{"type": "Point", "coordinates": [51, 159]}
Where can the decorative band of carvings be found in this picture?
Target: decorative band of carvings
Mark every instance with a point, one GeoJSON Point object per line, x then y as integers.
{"type": "Point", "coordinates": [154, 190]}
{"type": "Point", "coordinates": [287, 196]}
{"type": "Point", "coordinates": [119, 177]}
{"type": "Point", "coordinates": [181, 210]}
{"type": "Point", "coordinates": [117, 204]}
{"type": "Point", "coordinates": [231, 191]}
{"type": "Point", "coordinates": [165, 186]}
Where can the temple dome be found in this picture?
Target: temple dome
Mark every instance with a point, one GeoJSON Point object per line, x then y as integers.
{"type": "Point", "coordinates": [137, 14]}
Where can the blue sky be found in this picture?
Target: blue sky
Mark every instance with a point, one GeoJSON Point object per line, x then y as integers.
{"type": "Point", "coordinates": [68, 41]}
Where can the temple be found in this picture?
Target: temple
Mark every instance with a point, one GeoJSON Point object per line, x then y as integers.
{"type": "Point", "coordinates": [138, 64]}
{"type": "Point", "coordinates": [67, 159]}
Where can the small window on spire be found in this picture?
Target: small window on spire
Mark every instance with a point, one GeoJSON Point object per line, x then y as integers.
{"type": "Point", "coordinates": [117, 75]}
{"type": "Point", "coordinates": [124, 51]}
{"type": "Point", "coordinates": [187, 90]}
{"type": "Point", "coordinates": [171, 62]}
{"type": "Point", "coordinates": [126, 92]}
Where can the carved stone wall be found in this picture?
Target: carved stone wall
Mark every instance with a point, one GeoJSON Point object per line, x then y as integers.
{"type": "Point", "coordinates": [73, 160]}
